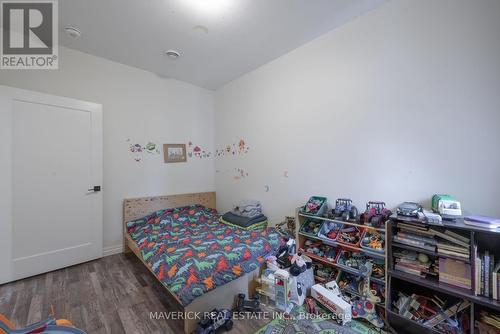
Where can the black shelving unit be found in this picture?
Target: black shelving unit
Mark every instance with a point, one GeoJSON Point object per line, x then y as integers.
{"type": "Point", "coordinates": [483, 237]}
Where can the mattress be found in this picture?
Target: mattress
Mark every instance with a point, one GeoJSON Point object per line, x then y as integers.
{"type": "Point", "coordinates": [191, 252]}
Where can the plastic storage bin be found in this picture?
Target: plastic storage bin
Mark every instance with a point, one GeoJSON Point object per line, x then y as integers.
{"type": "Point", "coordinates": [309, 226]}
{"type": "Point", "coordinates": [355, 232]}
{"type": "Point", "coordinates": [328, 227]}
{"type": "Point", "coordinates": [320, 206]}
{"type": "Point", "coordinates": [368, 241]}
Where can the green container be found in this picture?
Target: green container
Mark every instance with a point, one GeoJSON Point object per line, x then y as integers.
{"type": "Point", "coordinates": [321, 209]}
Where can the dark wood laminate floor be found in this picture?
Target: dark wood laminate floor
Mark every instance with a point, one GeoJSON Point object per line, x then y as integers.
{"type": "Point", "coordinates": [114, 294]}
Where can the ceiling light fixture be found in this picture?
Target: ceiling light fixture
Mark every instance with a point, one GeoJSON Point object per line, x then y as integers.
{"type": "Point", "coordinates": [73, 32]}
{"type": "Point", "coordinates": [172, 54]}
{"type": "Point", "coordinates": [209, 6]}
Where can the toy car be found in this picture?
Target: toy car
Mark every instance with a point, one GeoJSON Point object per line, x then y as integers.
{"type": "Point", "coordinates": [409, 209]}
{"type": "Point", "coordinates": [218, 318]}
{"type": "Point", "coordinates": [344, 209]}
{"type": "Point", "coordinates": [243, 305]}
{"type": "Point", "coordinates": [376, 214]}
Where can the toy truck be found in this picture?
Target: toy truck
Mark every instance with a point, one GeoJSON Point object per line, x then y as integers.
{"type": "Point", "coordinates": [375, 214]}
{"type": "Point", "coordinates": [330, 297]}
{"type": "Point", "coordinates": [344, 209]}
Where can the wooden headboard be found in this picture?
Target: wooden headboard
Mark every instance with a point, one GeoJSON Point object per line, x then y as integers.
{"type": "Point", "coordinates": [135, 208]}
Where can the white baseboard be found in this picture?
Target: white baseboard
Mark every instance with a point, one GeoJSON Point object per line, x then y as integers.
{"type": "Point", "coordinates": [112, 250]}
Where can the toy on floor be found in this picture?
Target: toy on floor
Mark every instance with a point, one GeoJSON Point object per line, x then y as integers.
{"type": "Point", "coordinates": [311, 306]}
{"type": "Point", "coordinates": [282, 290]}
{"type": "Point", "coordinates": [344, 209]}
{"type": "Point", "coordinates": [285, 253]}
{"type": "Point", "coordinates": [252, 305]}
{"type": "Point", "coordinates": [218, 318]}
{"type": "Point", "coordinates": [48, 326]}
{"type": "Point", "coordinates": [365, 307]}
{"type": "Point", "coordinates": [375, 214]}
{"type": "Point", "coordinates": [330, 296]}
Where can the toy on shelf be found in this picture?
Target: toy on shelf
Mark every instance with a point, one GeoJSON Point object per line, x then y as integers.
{"type": "Point", "coordinates": [350, 259]}
{"type": "Point", "coordinates": [330, 296]}
{"type": "Point", "coordinates": [347, 282]}
{"type": "Point", "coordinates": [374, 241]}
{"type": "Point", "coordinates": [282, 290]}
{"type": "Point", "coordinates": [218, 318]}
{"type": "Point", "coordinates": [319, 249]}
{"type": "Point", "coordinates": [324, 272]}
{"type": "Point", "coordinates": [409, 209]}
{"type": "Point", "coordinates": [378, 269]}
{"type": "Point", "coordinates": [252, 305]}
{"type": "Point", "coordinates": [329, 230]}
{"type": "Point", "coordinates": [311, 227]}
{"type": "Point", "coordinates": [349, 235]}
{"type": "Point", "coordinates": [344, 209]}
{"type": "Point", "coordinates": [315, 206]}
{"type": "Point", "coordinates": [447, 206]}
{"type": "Point", "coordinates": [488, 323]}
{"type": "Point", "coordinates": [49, 326]}
{"type": "Point", "coordinates": [376, 214]}
{"type": "Point", "coordinates": [431, 311]}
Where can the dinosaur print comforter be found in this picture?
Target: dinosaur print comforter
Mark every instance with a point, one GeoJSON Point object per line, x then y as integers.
{"type": "Point", "coordinates": [191, 252]}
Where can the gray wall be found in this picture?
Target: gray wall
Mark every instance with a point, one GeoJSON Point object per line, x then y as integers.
{"type": "Point", "coordinates": [399, 104]}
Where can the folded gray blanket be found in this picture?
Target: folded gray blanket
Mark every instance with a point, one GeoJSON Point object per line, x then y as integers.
{"type": "Point", "coordinates": [242, 221]}
{"type": "Point", "coordinates": [248, 208]}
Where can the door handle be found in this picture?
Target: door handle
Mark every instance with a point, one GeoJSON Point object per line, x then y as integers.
{"type": "Point", "coordinates": [95, 189]}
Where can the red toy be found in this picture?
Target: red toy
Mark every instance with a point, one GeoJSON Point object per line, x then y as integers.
{"type": "Point", "coordinates": [376, 214]}
{"type": "Point", "coordinates": [311, 306]}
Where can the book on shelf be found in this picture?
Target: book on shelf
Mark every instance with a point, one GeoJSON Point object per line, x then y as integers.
{"type": "Point", "coordinates": [455, 272]}
{"type": "Point", "coordinates": [414, 243]}
{"type": "Point", "coordinates": [451, 247]}
{"type": "Point", "coordinates": [457, 236]}
{"type": "Point", "coordinates": [487, 274]}
{"type": "Point", "coordinates": [482, 221]}
{"type": "Point", "coordinates": [449, 237]}
{"type": "Point", "coordinates": [445, 253]}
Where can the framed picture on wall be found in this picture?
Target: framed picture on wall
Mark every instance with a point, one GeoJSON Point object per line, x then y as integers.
{"type": "Point", "coordinates": [174, 153]}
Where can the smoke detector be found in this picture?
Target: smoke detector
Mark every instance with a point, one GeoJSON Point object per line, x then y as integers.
{"type": "Point", "coordinates": [172, 54]}
{"type": "Point", "coordinates": [73, 32]}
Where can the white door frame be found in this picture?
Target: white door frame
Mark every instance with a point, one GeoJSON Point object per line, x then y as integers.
{"type": "Point", "coordinates": [7, 96]}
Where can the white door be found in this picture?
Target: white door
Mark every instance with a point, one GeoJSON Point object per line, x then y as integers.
{"type": "Point", "coordinates": [51, 160]}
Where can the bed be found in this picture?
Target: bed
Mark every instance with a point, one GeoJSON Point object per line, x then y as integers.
{"type": "Point", "coordinates": [201, 262]}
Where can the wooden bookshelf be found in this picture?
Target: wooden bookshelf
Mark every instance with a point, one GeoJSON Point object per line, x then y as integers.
{"type": "Point", "coordinates": [483, 237]}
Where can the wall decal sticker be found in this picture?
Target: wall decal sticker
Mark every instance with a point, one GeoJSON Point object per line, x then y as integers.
{"type": "Point", "coordinates": [196, 151]}
{"type": "Point", "coordinates": [240, 173]}
{"type": "Point", "coordinates": [152, 148]}
{"type": "Point", "coordinates": [233, 149]}
{"type": "Point", "coordinates": [138, 149]}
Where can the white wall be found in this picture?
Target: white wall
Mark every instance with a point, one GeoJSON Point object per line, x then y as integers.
{"type": "Point", "coordinates": [139, 106]}
{"type": "Point", "coordinates": [397, 105]}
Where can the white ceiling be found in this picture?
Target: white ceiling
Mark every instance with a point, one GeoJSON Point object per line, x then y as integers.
{"type": "Point", "coordinates": [219, 40]}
